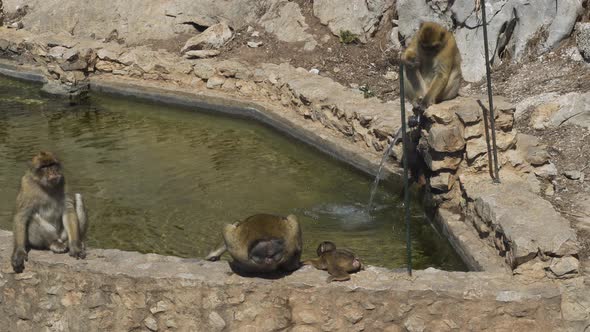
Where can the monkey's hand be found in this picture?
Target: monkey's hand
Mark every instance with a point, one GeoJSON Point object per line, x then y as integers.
{"type": "Point", "coordinates": [421, 106]}
{"type": "Point", "coordinates": [77, 251]}
{"type": "Point", "coordinates": [18, 260]}
{"type": "Point", "coordinates": [409, 58]}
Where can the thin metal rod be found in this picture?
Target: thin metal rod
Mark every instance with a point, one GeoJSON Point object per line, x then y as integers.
{"type": "Point", "coordinates": [486, 128]}
{"type": "Point", "coordinates": [491, 102]}
{"type": "Point", "coordinates": [405, 161]}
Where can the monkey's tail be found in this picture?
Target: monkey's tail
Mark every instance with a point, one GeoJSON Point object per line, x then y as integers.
{"type": "Point", "coordinates": [81, 213]}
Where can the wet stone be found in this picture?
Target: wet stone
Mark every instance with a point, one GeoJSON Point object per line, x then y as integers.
{"type": "Point", "coordinates": [442, 182]}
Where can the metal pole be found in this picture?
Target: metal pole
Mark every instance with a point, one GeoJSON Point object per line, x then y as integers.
{"type": "Point", "coordinates": [405, 161]}
{"type": "Point", "coordinates": [490, 101]}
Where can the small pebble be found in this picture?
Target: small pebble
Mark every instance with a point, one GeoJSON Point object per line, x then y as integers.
{"type": "Point", "coordinates": [573, 175]}
{"type": "Point", "coordinates": [254, 44]}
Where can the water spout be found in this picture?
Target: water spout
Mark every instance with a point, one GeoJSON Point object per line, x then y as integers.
{"type": "Point", "coordinates": [378, 176]}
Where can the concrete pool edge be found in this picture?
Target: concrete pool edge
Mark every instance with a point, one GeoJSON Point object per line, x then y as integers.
{"type": "Point", "coordinates": [120, 290]}
{"type": "Point", "coordinates": [467, 246]}
{"type": "Point", "coordinates": [511, 292]}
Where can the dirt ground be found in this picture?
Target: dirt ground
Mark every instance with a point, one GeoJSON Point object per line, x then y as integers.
{"type": "Point", "coordinates": [569, 148]}
{"type": "Point", "coordinates": [354, 65]}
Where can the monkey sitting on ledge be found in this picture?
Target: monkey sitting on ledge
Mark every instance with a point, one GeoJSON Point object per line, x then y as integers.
{"type": "Point", "coordinates": [432, 66]}
{"type": "Point", "coordinates": [45, 217]}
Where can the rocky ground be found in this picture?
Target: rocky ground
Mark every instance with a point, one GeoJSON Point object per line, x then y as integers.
{"type": "Point", "coordinates": [544, 78]}
{"type": "Point", "coordinates": [373, 65]}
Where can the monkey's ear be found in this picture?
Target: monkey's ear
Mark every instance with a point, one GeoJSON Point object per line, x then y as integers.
{"type": "Point", "coordinates": [421, 24]}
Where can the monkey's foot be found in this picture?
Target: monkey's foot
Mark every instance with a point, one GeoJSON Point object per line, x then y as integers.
{"type": "Point", "coordinates": [78, 252]}
{"type": "Point", "coordinates": [58, 247]}
{"type": "Point", "coordinates": [18, 260]}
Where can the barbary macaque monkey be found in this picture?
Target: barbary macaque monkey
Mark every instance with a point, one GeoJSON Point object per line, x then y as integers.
{"type": "Point", "coordinates": [338, 262]}
{"type": "Point", "coordinates": [262, 243]}
{"type": "Point", "coordinates": [432, 66]}
{"type": "Point", "coordinates": [45, 217]}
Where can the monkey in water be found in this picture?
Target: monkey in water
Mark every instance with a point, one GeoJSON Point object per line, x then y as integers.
{"type": "Point", "coordinates": [262, 243]}
{"type": "Point", "coordinates": [45, 217]}
{"type": "Point", "coordinates": [432, 66]}
{"type": "Point", "coordinates": [338, 262]}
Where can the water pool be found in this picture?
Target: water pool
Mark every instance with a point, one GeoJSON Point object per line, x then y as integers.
{"type": "Point", "coordinates": [163, 179]}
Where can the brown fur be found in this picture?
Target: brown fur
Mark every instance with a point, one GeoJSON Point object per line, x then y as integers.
{"type": "Point", "coordinates": [432, 66]}
{"type": "Point", "coordinates": [259, 234]}
{"type": "Point", "coordinates": [338, 262]}
{"type": "Point", "coordinates": [45, 217]}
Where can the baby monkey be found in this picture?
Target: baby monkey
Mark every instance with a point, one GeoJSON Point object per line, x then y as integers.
{"type": "Point", "coordinates": [338, 262]}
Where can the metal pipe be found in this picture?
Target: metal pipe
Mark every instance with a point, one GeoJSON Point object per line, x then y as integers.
{"type": "Point", "coordinates": [490, 101]}
{"type": "Point", "coordinates": [405, 162]}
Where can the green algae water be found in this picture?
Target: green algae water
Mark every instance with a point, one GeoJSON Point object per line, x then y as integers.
{"type": "Point", "coordinates": [162, 179]}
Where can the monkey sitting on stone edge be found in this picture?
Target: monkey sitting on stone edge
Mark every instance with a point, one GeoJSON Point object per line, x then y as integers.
{"type": "Point", "coordinates": [432, 66]}
{"type": "Point", "coordinates": [45, 217]}
{"type": "Point", "coordinates": [338, 262]}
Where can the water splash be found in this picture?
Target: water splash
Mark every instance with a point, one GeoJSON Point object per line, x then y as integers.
{"type": "Point", "coordinates": [378, 176]}
{"type": "Point", "coordinates": [348, 216]}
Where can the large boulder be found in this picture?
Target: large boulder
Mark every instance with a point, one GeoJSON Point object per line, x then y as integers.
{"type": "Point", "coordinates": [212, 38]}
{"type": "Point", "coordinates": [411, 13]}
{"type": "Point", "coordinates": [535, 20]}
{"type": "Point", "coordinates": [1, 13]}
{"type": "Point", "coordinates": [360, 17]}
{"type": "Point", "coordinates": [284, 20]}
{"type": "Point", "coordinates": [74, 93]}
{"type": "Point", "coordinates": [136, 21]}
{"type": "Point", "coordinates": [583, 39]}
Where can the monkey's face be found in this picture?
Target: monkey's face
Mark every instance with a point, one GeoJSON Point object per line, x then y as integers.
{"type": "Point", "coordinates": [47, 170]}
{"type": "Point", "coordinates": [431, 38]}
{"type": "Point", "coordinates": [325, 247]}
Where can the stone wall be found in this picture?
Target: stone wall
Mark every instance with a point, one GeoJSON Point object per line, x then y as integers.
{"type": "Point", "coordinates": [122, 291]}
{"type": "Point", "coordinates": [509, 216]}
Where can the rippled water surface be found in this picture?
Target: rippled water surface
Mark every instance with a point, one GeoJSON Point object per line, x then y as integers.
{"type": "Point", "coordinates": [163, 179]}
